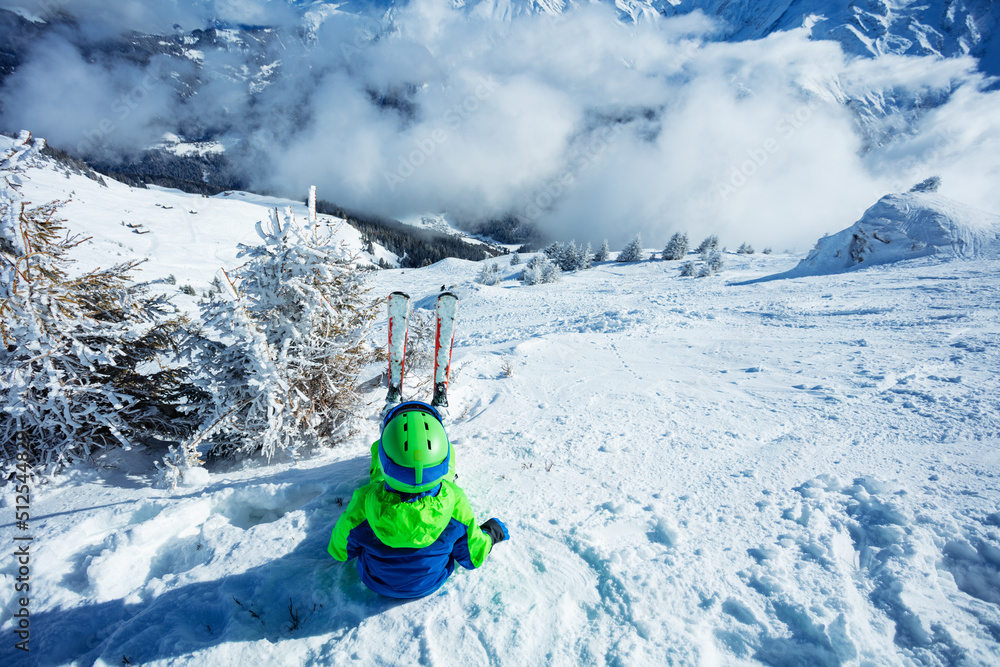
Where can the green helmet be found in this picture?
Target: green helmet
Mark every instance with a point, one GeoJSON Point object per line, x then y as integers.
{"type": "Point", "coordinates": [413, 449]}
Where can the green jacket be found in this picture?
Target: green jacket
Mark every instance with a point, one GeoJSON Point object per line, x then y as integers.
{"type": "Point", "coordinates": [407, 546]}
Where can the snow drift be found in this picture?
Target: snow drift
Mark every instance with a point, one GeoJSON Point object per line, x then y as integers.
{"type": "Point", "coordinates": [900, 227]}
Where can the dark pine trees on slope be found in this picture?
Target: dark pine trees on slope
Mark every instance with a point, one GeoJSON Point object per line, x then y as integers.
{"type": "Point", "coordinates": [415, 247]}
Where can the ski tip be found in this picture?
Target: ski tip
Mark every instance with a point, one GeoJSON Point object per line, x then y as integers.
{"type": "Point", "coordinates": [446, 293]}
{"type": "Point", "coordinates": [402, 294]}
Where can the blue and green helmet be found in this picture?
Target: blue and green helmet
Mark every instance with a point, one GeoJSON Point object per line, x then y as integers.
{"type": "Point", "coordinates": [413, 448]}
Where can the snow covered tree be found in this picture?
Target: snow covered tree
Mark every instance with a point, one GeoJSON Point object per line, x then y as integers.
{"type": "Point", "coordinates": [569, 256]}
{"type": "Point", "coordinates": [766, 251]}
{"type": "Point", "coordinates": [687, 269]}
{"type": "Point", "coordinates": [677, 247]}
{"type": "Point", "coordinates": [489, 274]}
{"type": "Point", "coordinates": [708, 245]}
{"type": "Point", "coordinates": [285, 354]}
{"type": "Point", "coordinates": [88, 360]}
{"type": "Point", "coordinates": [515, 258]}
{"type": "Point", "coordinates": [572, 257]}
{"type": "Point", "coordinates": [745, 249]}
{"type": "Point", "coordinates": [712, 265]}
{"type": "Point", "coordinates": [604, 253]}
{"type": "Point", "coordinates": [539, 269]}
{"type": "Point", "coordinates": [558, 255]}
{"type": "Point", "coordinates": [632, 252]}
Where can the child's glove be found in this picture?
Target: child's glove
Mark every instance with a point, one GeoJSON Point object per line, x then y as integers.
{"type": "Point", "coordinates": [496, 530]}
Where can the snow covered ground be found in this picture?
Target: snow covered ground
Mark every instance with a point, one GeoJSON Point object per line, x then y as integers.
{"type": "Point", "coordinates": [693, 472]}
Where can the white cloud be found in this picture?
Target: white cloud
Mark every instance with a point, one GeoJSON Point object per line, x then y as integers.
{"type": "Point", "coordinates": [592, 128]}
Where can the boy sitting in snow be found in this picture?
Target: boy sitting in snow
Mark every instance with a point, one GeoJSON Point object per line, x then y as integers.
{"type": "Point", "coordinates": [410, 524]}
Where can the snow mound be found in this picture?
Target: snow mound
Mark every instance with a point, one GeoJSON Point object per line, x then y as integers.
{"type": "Point", "coordinates": [904, 226]}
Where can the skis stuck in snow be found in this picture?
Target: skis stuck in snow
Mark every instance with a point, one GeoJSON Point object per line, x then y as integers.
{"type": "Point", "coordinates": [399, 326]}
{"type": "Point", "coordinates": [446, 311]}
{"type": "Point", "coordinates": [444, 337]}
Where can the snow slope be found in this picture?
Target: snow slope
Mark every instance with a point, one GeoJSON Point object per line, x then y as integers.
{"type": "Point", "coordinates": [792, 472]}
{"type": "Point", "coordinates": [187, 236]}
{"type": "Point", "coordinates": [905, 226]}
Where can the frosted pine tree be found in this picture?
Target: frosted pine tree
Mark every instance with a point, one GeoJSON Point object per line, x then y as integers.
{"type": "Point", "coordinates": [489, 274]}
{"type": "Point", "coordinates": [677, 247]}
{"type": "Point", "coordinates": [632, 252]}
{"type": "Point", "coordinates": [539, 270]}
{"type": "Point", "coordinates": [568, 257]}
{"type": "Point", "coordinates": [712, 265]}
{"type": "Point", "coordinates": [604, 253]}
{"type": "Point", "coordinates": [287, 348]}
{"type": "Point", "coordinates": [708, 245]}
{"type": "Point", "coordinates": [88, 359]}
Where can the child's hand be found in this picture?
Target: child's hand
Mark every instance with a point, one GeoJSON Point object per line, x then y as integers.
{"type": "Point", "coordinates": [496, 530]}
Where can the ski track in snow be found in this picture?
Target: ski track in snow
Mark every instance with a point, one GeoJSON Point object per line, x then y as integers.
{"type": "Point", "coordinates": [794, 472]}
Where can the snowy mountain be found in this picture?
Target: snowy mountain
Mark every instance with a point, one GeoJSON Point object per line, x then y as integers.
{"type": "Point", "coordinates": [872, 27]}
{"type": "Point", "coordinates": [792, 472]}
{"type": "Point", "coordinates": [944, 28]}
{"type": "Point", "coordinates": [490, 111]}
{"type": "Point", "coordinates": [905, 226]}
